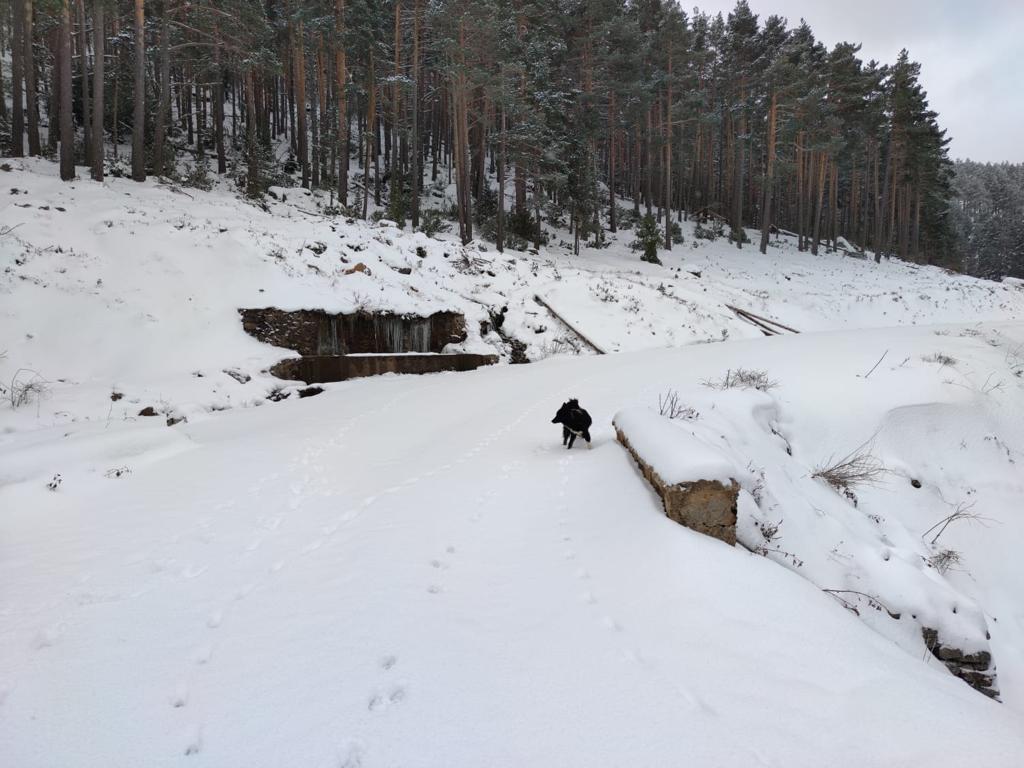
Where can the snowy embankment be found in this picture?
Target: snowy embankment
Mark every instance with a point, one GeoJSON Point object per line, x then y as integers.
{"type": "Point", "coordinates": [411, 570]}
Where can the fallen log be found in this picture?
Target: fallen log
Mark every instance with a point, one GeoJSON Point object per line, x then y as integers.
{"type": "Point", "coordinates": [762, 321]}
{"type": "Point", "coordinates": [567, 324]}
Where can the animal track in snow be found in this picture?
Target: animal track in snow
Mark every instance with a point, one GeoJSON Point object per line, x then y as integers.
{"type": "Point", "coordinates": [434, 589]}
{"type": "Point", "coordinates": [611, 624]}
{"type": "Point", "coordinates": [179, 697]}
{"type": "Point", "coordinates": [193, 740]}
{"type": "Point", "coordinates": [202, 654]}
{"type": "Point", "coordinates": [214, 619]}
{"type": "Point", "coordinates": [388, 662]}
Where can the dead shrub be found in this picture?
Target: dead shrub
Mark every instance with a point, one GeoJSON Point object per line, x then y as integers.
{"type": "Point", "coordinates": [743, 378]}
{"type": "Point", "coordinates": [670, 405]}
{"type": "Point", "coordinates": [858, 468]}
{"type": "Point", "coordinates": [26, 387]}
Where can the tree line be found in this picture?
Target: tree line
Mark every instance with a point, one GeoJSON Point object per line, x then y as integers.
{"type": "Point", "coordinates": [988, 218]}
{"type": "Point", "coordinates": [597, 114]}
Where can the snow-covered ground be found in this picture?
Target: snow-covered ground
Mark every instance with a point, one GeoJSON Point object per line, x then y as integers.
{"type": "Point", "coordinates": [413, 571]}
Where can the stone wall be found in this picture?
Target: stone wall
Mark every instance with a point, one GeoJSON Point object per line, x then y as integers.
{"type": "Point", "coordinates": [316, 332]}
{"type": "Point", "coordinates": [325, 368]}
{"type": "Point", "coordinates": [975, 669]}
{"type": "Point", "coordinates": [705, 506]}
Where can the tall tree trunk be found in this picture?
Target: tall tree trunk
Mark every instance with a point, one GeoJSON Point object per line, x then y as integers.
{"type": "Point", "coordinates": [98, 40]}
{"type": "Point", "coordinates": [83, 71]}
{"type": "Point", "coordinates": [299, 69]}
{"type": "Point", "coordinates": [416, 171]}
{"type": "Point", "coordinates": [163, 108]}
{"type": "Point", "coordinates": [369, 135]}
{"type": "Point", "coordinates": [668, 157]}
{"type": "Point", "coordinates": [314, 110]}
{"type": "Point", "coordinates": [138, 96]}
{"type": "Point", "coordinates": [218, 101]}
{"type": "Point", "coordinates": [17, 145]}
{"type": "Point", "coordinates": [341, 77]}
{"type": "Point", "coordinates": [648, 171]}
{"type": "Point", "coordinates": [737, 192]}
{"type": "Point", "coordinates": [612, 216]}
{"type": "Point", "coordinates": [769, 177]}
{"type": "Point", "coordinates": [31, 91]}
{"type": "Point", "coordinates": [823, 161]}
{"type": "Point", "coordinates": [67, 132]}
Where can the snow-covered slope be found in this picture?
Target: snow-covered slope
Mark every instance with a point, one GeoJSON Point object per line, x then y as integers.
{"type": "Point", "coordinates": [413, 571]}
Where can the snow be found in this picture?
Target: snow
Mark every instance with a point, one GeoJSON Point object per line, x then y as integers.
{"type": "Point", "coordinates": [676, 454]}
{"type": "Point", "coordinates": [412, 570]}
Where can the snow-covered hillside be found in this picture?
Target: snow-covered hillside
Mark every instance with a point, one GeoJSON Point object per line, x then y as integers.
{"type": "Point", "coordinates": [134, 289]}
{"type": "Point", "coordinates": [413, 571]}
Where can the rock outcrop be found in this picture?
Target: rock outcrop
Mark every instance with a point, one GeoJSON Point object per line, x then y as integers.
{"type": "Point", "coordinates": [705, 506]}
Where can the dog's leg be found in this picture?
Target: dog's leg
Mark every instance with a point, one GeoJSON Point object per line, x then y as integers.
{"type": "Point", "coordinates": [565, 435]}
{"type": "Point", "coordinates": [572, 439]}
{"type": "Point", "coordinates": [586, 436]}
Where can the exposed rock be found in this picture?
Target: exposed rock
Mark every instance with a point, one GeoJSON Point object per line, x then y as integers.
{"type": "Point", "coordinates": [360, 267]}
{"type": "Point", "coordinates": [149, 410]}
{"type": "Point", "coordinates": [237, 375]}
{"type": "Point", "coordinates": [315, 332]}
{"type": "Point", "coordinates": [705, 506]}
{"type": "Point", "coordinates": [115, 396]}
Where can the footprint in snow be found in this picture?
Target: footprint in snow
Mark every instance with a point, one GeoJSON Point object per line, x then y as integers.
{"type": "Point", "coordinates": [351, 756]}
{"type": "Point", "coordinates": [201, 655]}
{"type": "Point", "coordinates": [313, 546]}
{"type": "Point", "coordinates": [434, 589]}
{"type": "Point", "coordinates": [214, 619]}
{"type": "Point", "coordinates": [179, 697]}
{"type": "Point", "coordinates": [243, 591]}
{"type": "Point", "coordinates": [388, 662]}
{"type": "Point", "coordinates": [193, 740]}
{"type": "Point", "coordinates": [611, 624]}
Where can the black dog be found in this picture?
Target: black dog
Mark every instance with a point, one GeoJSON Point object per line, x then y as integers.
{"type": "Point", "coordinates": [575, 423]}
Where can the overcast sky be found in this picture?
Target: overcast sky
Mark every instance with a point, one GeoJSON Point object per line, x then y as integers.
{"type": "Point", "coordinates": [971, 56]}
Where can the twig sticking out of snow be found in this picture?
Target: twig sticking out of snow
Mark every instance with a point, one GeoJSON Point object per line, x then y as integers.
{"type": "Point", "coordinates": [876, 364]}
{"type": "Point", "coordinates": [962, 512]}
{"type": "Point", "coordinates": [873, 601]}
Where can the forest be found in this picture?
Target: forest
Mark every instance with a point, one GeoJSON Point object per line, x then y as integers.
{"type": "Point", "coordinates": [596, 115]}
{"type": "Point", "coordinates": [988, 218]}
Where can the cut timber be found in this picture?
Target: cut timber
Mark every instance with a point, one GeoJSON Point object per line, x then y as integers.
{"type": "Point", "coordinates": [770, 327]}
{"type": "Point", "coordinates": [568, 325]}
{"type": "Point", "coordinates": [705, 506]}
